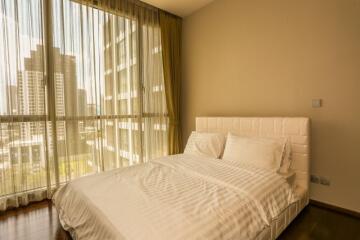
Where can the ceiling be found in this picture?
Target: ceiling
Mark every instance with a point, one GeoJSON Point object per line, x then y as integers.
{"type": "Point", "coordinates": [181, 8]}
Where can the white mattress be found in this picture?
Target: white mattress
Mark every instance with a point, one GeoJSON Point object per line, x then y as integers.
{"type": "Point", "coordinates": [179, 197]}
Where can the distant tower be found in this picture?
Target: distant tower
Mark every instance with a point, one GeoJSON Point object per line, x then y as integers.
{"type": "Point", "coordinates": [31, 97]}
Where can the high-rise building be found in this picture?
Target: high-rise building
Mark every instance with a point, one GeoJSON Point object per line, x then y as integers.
{"type": "Point", "coordinates": [12, 102]}
{"type": "Point", "coordinates": [82, 102]}
{"type": "Point", "coordinates": [31, 94]}
{"type": "Point", "coordinates": [121, 91]}
{"type": "Point", "coordinates": [131, 92]}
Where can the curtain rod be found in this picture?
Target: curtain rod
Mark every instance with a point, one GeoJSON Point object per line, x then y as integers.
{"type": "Point", "coordinates": [135, 2]}
{"type": "Point", "coordinates": [147, 5]}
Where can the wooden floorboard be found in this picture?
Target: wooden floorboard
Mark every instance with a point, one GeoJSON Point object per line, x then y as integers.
{"type": "Point", "coordinates": [320, 223]}
{"type": "Point", "coordinates": [40, 221]}
{"type": "Point", "coordinates": [37, 221]}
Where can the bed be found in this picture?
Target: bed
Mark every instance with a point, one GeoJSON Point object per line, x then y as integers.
{"type": "Point", "coordinates": [192, 197]}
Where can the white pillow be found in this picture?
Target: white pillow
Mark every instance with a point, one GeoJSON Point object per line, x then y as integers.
{"type": "Point", "coordinates": [260, 152]}
{"type": "Point", "coordinates": [205, 144]}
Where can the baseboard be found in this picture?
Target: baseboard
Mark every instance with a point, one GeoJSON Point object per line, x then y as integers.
{"type": "Point", "coordinates": [335, 208]}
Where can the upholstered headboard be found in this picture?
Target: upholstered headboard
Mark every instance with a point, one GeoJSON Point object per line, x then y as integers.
{"type": "Point", "coordinates": [297, 130]}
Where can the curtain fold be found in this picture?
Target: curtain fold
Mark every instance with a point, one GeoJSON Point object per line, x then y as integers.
{"type": "Point", "coordinates": [171, 50]}
{"type": "Point", "coordinates": [24, 129]}
{"type": "Point", "coordinates": [81, 91]}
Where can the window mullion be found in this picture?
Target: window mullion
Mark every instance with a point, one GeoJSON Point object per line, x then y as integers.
{"type": "Point", "coordinates": [50, 86]}
{"type": "Point", "coordinates": [140, 85]}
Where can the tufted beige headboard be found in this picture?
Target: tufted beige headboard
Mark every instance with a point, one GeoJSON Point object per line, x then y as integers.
{"type": "Point", "coordinates": [296, 129]}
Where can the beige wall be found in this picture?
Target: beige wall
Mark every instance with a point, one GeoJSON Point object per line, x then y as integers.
{"type": "Point", "coordinates": [271, 58]}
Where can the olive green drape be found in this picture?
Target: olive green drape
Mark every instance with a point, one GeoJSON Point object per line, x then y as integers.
{"type": "Point", "coordinates": [171, 50]}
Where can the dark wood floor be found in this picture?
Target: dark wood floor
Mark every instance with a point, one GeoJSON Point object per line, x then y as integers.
{"type": "Point", "coordinates": [39, 221]}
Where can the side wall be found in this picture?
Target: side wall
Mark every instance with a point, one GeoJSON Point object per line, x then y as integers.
{"type": "Point", "coordinates": [271, 58]}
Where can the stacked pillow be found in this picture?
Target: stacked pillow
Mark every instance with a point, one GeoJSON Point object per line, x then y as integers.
{"type": "Point", "coordinates": [205, 144]}
{"type": "Point", "coordinates": [264, 153]}
{"type": "Point", "coordinates": [269, 153]}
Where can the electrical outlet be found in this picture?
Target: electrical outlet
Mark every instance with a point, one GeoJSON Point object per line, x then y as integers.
{"type": "Point", "coordinates": [316, 103]}
{"type": "Point", "coordinates": [314, 179]}
{"type": "Point", "coordinates": [320, 180]}
{"type": "Point", "coordinates": [324, 181]}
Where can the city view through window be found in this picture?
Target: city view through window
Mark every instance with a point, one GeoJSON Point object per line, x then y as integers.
{"type": "Point", "coordinates": [107, 107]}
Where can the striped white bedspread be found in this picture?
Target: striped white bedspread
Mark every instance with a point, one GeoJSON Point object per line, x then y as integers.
{"type": "Point", "coordinates": [175, 197]}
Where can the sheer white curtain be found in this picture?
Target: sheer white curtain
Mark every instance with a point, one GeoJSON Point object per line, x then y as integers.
{"type": "Point", "coordinates": [82, 91]}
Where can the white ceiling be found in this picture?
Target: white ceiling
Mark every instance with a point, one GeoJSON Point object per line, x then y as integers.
{"type": "Point", "coordinates": [181, 8]}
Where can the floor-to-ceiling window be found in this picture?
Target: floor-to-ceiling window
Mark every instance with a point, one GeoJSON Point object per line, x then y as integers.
{"type": "Point", "coordinates": [81, 91]}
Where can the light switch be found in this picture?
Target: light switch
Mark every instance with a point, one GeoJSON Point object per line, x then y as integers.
{"type": "Point", "coordinates": [316, 103]}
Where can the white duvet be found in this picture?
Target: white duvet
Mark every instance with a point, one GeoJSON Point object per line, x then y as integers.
{"type": "Point", "coordinates": [175, 197]}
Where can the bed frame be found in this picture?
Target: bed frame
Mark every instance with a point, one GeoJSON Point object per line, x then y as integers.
{"type": "Point", "coordinates": [297, 130]}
